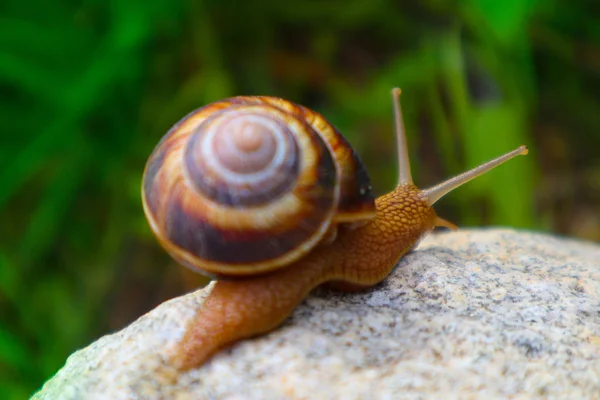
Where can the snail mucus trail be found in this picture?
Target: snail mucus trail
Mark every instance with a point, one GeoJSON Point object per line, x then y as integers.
{"type": "Point", "coordinates": [356, 247]}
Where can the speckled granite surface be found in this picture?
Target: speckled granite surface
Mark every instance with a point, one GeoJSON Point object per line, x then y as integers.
{"type": "Point", "coordinates": [471, 314]}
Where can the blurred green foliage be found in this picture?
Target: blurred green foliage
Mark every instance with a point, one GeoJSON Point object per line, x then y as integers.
{"type": "Point", "coordinates": [88, 88]}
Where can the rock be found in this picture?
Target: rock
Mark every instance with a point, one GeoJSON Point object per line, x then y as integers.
{"type": "Point", "coordinates": [471, 314]}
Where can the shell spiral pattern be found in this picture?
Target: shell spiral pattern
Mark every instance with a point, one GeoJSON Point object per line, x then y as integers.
{"type": "Point", "coordinates": [247, 184]}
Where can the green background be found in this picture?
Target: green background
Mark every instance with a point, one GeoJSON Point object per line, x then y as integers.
{"type": "Point", "coordinates": [88, 88]}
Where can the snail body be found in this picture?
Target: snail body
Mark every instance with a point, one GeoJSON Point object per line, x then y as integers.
{"type": "Point", "coordinates": [269, 197]}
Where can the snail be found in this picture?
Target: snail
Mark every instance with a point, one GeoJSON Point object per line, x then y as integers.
{"type": "Point", "coordinates": [268, 197]}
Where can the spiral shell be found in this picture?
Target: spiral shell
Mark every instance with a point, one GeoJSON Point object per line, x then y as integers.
{"type": "Point", "coordinates": [249, 184]}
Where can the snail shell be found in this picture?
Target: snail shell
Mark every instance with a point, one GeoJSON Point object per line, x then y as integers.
{"type": "Point", "coordinates": [249, 184]}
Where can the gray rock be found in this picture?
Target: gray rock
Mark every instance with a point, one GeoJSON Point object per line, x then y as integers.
{"type": "Point", "coordinates": [472, 314]}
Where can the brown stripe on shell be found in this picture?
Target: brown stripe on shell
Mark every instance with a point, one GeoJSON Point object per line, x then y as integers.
{"type": "Point", "coordinates": [284, 105]}
{"type": "Point", "coordinates": [357, 201]}
{"type": "Point", "coordinates": [209, 243]}
{"type": "Point", "coordinates": [159, 176]}
{"type": "Point", "coordinates": [151, 193]}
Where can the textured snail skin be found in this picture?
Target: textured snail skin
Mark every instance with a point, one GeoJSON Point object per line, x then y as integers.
{"type": "Point", "coordinates": [358, 258]}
